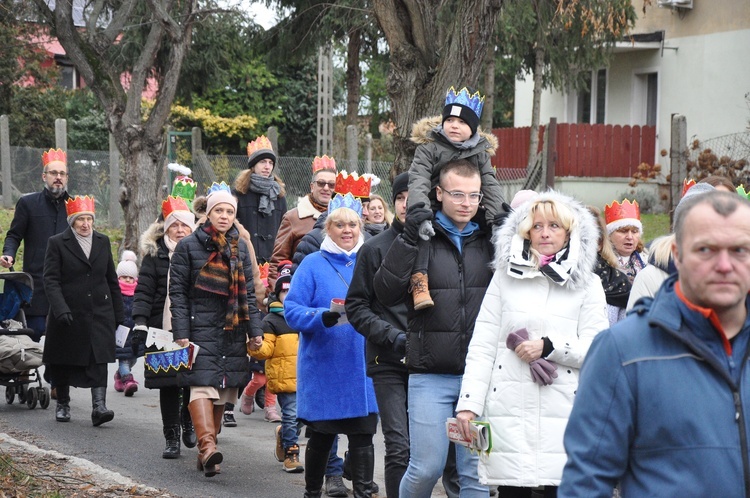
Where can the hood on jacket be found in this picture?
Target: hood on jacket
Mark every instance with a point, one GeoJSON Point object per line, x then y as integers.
{"type": "Point", "coordinates": [421, 133]}
{"type": "Point", "coordinates": [149, 243]}
{"type": "Point", "coordinates": [583, 243]}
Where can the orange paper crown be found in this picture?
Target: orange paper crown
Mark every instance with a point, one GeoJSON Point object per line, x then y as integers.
{"type": "Point", "coordinates": [324, 162]}
{"type": "Point", "coordinates": [80, 204]}
{"type": "Point", "coordinates": [54, 155]}
{"type": "Point", "coordinates": [263, 269]}
{"type": "Point", "coordinates": [260, 143]}
{"type": "Point", "coordinates": [354, 184]}
{"type": "Point", "coordinates": [686, 185]}
{"type": "Point", "coordinates": [171, 204]}
{"type": "Point", "coordinates": [618, 215]}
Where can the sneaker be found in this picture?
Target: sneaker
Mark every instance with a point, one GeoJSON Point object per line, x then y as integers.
{"type": "Point", "coordinates": [335, 487]}
{"type": "Point", "coordinates": [291, 461]}
{"type": "Point", "coordinates": [270, 414]}
{"type": "Point", "coordinates": [119, 386]}
{"type": "Point", "coordinates": [229, 420]}
{"type": "Point", "coordinates": [247, 405]}
{"type": "Point", "coordinates": [130, 385]}
{"type": "Point", "coordinates": [279, 451]}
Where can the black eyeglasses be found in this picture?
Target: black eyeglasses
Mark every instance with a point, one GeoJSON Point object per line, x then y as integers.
{"type": "Point", "coordinates": [323, 183]}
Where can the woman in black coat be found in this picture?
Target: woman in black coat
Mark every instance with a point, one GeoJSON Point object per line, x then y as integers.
{"type": "Point", "coordinates": [213, 306]}
{"type": "Point", "coordinates": [85, 307]}
{"type": "Point", "coordinates": [150, 309]}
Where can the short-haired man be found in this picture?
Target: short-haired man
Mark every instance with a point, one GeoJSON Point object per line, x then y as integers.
{"type": "Point", "coordinates": [662, 406]}
{"type": "Point", "coordinates": [38, 217]}
{"type": "Point", "coordinates": [438, 337]}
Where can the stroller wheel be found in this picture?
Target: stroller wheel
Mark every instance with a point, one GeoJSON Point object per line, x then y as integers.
{"type": "Point", "coordinates": [10, 394]}
{"type": "Point", "coordinates": [31, 398]}
{"type": "Point", "coordinates": [44, 398]}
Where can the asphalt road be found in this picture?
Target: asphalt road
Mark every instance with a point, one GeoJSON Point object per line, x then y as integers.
{"type": "Point", "coordinates": [132, 444]}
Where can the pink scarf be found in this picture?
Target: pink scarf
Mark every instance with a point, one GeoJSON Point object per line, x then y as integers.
{"type": "Point", "coordinates": [126, 288]}
{"type": "Point", "coordinates": [544, 260]}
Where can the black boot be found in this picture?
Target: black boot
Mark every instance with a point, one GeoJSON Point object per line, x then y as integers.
{"type": "Point", "coordinates": [188, 431]}
{"type": "Point", "coordinates": [315, 470]}
{"type": "Point", "coordinates": [172, 435]}
{"type": "Point", "coordinates": [100, 414]}
{"type": "Point", "coordinates": [361, 466]}
{"type": "Point", "coordinates": [62, 412]}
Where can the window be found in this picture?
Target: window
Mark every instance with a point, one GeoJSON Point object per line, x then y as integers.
{"type": "Point", "coordinates": [591, 101]}
{"type": "Point", "coordinates": [68, 77]}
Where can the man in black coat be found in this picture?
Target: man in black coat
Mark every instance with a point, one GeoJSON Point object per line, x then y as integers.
{"type": "Point", "coordinates": [38, 217]}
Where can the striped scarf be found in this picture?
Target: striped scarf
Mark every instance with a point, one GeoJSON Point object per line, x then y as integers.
{"type": "Point", "coordinates": [223, 274]}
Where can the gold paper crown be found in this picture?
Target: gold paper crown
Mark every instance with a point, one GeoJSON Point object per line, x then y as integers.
{"type": "Point", "coordinates": [79, 204]}
{"type": "Point", "coordinates": [354, 184]}
{"type": "Point", "coordinates": [324, 162]}
{"type": "Point", "coordinates": [626, 211]}
{"type": "Point", "coordinates": [54, 155]}
{"type": "Point", "coordinates": [686, 185]}
{"type": "Point", "coordinates": [171, 204]}
{"type": "Point", "coordinates": [260, 143]}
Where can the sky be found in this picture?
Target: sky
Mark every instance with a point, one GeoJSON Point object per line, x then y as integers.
{"type": "Point", "coordinates": [262, 14]}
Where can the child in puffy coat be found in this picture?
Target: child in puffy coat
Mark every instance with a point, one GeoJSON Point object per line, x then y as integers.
{"type": "Point", "coordinates": [127, 276]}
{"type": "Point", "coordinates": [279, 349]}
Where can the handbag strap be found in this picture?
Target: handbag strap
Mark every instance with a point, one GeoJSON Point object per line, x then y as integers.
{"type": "Point", "coordinates": [334, 269]}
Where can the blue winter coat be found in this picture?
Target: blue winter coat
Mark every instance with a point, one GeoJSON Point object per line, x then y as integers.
{"type": "Point", "coordinates": [661, 408]}
{"type": "Point", "coordinates": [332, 383]}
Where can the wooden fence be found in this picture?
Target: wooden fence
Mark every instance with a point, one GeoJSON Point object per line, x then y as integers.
{"type": "Point", "coordinates": [583, 150]}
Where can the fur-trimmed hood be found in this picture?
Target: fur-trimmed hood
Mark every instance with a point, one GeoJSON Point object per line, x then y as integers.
{"type": "Point", "coordinates": [583, 245]}
{"type": "Point", "coordinates": [421, 133]}
{"type": "Point", "coordinates": [149, 243]}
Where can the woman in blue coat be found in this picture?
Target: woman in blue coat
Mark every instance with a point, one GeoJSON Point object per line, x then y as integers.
{"type": "Point", "coordinates": [331, 355]}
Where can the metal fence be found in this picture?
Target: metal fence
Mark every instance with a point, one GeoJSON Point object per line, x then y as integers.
{"type": "Point", "coordinates": [728, 156]}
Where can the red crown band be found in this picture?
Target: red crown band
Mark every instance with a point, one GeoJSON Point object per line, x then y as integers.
{"type": "Point", "coordinates": [80, 204]}
{"type": "Point", "coordinates": [354, 184]}
{"type": "Point", "coordinates": [53, 156]}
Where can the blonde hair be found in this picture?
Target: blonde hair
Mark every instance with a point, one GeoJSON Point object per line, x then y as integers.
{"type": "Point", "coordinates": [386, 209]}
{"type": "Point", "coordinates": [342, 215]}
{"type": "Point", "coordinates": [660, 250]}
{"type": "Point", "coordinates": [606, 250]}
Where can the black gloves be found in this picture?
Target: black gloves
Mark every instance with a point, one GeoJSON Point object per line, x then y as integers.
{"type": "Point", "coordinates": [500, 218]}
{"type": "Point", "coordinates": [415, 215]}
{"type": "Point", "coordinates": [65, 318]}
{"type": "Point", "coordinates": [399, 344]}
{"type": "Point", "coordinates": [137, 337]}
{"type": "Point", "coordinates": [330, 318]}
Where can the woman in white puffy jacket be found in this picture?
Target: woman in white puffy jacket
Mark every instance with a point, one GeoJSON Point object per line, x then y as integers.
{"type": "Point", "coordinates": [541, 311]}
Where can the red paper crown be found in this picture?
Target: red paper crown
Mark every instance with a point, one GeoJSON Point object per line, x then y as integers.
{"type": "Point", "coordinates": [354, 184]}
{"type": "Point", "coordinates": [260, 143]}
{"type": "Point", "coordinates": [686, 185]}
{"type": "Point", "coordinates": [324, 162]}
{"type": "Point", "coordinates": [627, 210]}
{"type": "Point", "coordinates": [171, 204]}
{"type": "Point", "coordinates": [79, 204]}
{"type": "Point", "coordinates": [54, 155]}
{"type": "Point", "coordinates": [263, 269]}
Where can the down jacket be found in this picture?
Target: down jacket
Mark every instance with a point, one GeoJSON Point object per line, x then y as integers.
{"type": "Point", "coordinates": [200, 316]}
{"type": "Point", "coordinates": [279, 349]}
{"type": "Point", "coordinates": [438, 337]}
{"type": "Point", "coordinates": [528, 420]}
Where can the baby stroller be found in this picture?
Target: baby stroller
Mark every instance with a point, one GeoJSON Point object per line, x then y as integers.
{"type": "Point", "coordinates": [20, 356]}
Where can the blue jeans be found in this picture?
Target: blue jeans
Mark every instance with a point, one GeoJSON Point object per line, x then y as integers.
{"type": "Point", "coordinates": [432, 400]}
{"type": "Point", "coordinates": [289, 426]}
{"type": "Point", "coordinates": [335, 465]}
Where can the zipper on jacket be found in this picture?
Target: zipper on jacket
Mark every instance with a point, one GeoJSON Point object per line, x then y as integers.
{"type": "Point", "coordinates": [740, 416]}
{"type": "Point", "coordinates": [462, 283]}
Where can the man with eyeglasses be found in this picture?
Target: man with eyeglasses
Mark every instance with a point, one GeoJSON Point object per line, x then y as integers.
{"type": "Point", "coordinates": [38, 217]}
{"type": "Point", "coordinates": [437, 338]}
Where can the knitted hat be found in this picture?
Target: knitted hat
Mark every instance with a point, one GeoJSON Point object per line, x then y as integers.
{"type": "Point", "coordinates": [284, 278]}
{"type": "Point", "coordinates": [127, 266]}
{"type": "Point", "coordinates": [464, 105]}
{"type": "Point", "coordinates": [696, 189]}
{"type": "Point", "coordinates": [219, 193]}
{"type": "Point", "coordinates": [400, 184]}
{"type": "Point", "coordinates": [260, 148]}
{"type": "Point", "coordinates": [521, 197]}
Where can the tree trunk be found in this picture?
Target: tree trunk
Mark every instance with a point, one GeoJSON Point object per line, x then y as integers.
{"type": "Point", "coordinates": [353, 76]}
{"type": "Point", "coordinates": [489, 87]}
{"type": "Point", "coordinates": [535, 107]}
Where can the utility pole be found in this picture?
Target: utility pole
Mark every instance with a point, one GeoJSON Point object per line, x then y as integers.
{"type": "Point", "coordinates": [325, 99]}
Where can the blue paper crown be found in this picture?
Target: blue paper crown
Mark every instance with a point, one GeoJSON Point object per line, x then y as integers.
{"type": "Point", "coordinates": [164, 361]}
{"type": "Point", "coordinates": [345, 201]}
{"type": "Point", "coordinates": [217, 187]}
{"type": "Point", "coordinates": [474, 102]}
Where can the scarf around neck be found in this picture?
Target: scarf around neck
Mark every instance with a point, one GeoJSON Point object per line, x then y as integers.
{"type": "Point", "coordinates": [223, 274]}
{"type": "Point", "coordinates": [85, 242]}
{"type": "Point", "coordinates": [166, 320]}
{"type": "Point", "coordinates": [126, 288]}
{"type": "Point", "coordinates": [615, 283]}
{"type": "Point", "coordinates": [320, 207]}
{"type": "Point", "coordinates": [328, 245]}
{"type": "Point", "coordinates": [268, 189]}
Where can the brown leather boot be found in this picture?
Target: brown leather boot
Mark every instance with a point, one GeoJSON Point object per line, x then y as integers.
{"type": "Point", "coordinates": [202, 413]}
{"type": "Point", "coordinates": [421, 291]}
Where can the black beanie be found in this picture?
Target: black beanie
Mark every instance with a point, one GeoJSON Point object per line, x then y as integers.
{"type": "Point", "coordinates": [400, 184]}
{"type": "Point", "coordinates": [258, 155]}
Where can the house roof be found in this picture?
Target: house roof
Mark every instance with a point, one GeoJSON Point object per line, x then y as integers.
{"type": "Point", "coordinates": [640, 41]}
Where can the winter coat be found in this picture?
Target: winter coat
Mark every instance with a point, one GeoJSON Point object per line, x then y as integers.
{"type": "Point", "coordinates": [662, 407]}
{"type": "Point", "coordinates": [200, 316]}
{"type": "Point", "coordinates": [279, 349]}
{"type": "Point", "coordinates": [378, 323]}
{"type": "Point", "coordinates": [438, 337]}
{"type": "Point", "coordinates": [151, 293]}
{"type": "Point", "coordinates": [434, 151]}
{"type": "Point", "coordinates": [38, 217]}
{"type": "Point", "coordinates": [310, 243]}
{"type": "Point", "coordinates": [528, 420]}
{"type": "Point", "coordinates": [87, 288]}
{"type": "Point", "coordinates": [294, 225]}
{"type": "Point", "coordinates": [262, 227]}
{"type": "Point", "coordinates": [330, 360]}
{"type": "Point", "coordinates": [126, 352]}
